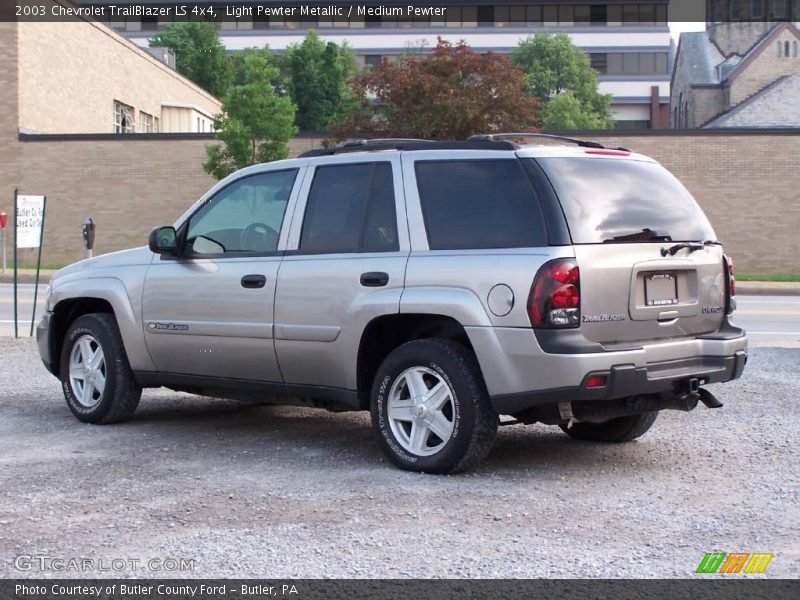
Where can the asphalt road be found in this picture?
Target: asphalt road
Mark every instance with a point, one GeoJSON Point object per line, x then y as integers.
{"type": "Point", "coordinates": [769, 320]}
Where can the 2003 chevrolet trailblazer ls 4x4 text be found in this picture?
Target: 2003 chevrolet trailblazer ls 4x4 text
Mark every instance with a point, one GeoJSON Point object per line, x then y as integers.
{"type": "Point", "coordinates": [437, 284]}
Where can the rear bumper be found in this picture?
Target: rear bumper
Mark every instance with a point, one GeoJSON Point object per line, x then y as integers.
{"type": "Point", "coordinates": [44, 340]}
{"type": "Point", "coordinates": [628, 380]}
{"type": "Point", "coordinates": [520, 374]}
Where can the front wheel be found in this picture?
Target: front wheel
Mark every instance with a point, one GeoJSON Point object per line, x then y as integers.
{"type": "Point", "coordinates": [622, 429]}
{"type": "Point", "coordinates": [96, 377]}
{"type": "Point", "coordinates": [430, 408]}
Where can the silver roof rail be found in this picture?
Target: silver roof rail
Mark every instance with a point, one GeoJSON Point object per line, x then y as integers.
{"type": "Point", "coordinates": [492, 137]}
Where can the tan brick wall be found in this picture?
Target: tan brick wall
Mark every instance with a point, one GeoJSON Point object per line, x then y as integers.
{"type": "Point", "coordinates": [765, 69]}
{"type": "Point", "coordinates": [71, 73]}
{"type": "Point", "coordinates": [738, 38]}
{"type": "Point", "coordinates": [9, 149]}
{"type": "Point", "coordinates": [749, 186]}
{"type": "Point", "coordinates": [707, 103]}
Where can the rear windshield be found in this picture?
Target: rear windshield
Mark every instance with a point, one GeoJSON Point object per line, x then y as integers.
{"type": "Point", "coordinates": [624, 201]}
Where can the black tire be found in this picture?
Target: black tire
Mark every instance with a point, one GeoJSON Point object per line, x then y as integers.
{"type": "Point", "coordinates": [615, 431]}
{"type": "Point", "coordinates": [473, 418]}
{"type": "Point", "coordinates": [120, 395]}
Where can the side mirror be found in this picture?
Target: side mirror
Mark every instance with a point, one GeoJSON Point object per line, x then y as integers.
{"type": "Point", "coordinates": [164, 240]}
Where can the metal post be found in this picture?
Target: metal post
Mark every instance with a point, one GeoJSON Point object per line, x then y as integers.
{"type": "Point", "coordinates": [16, 332]}
{"type": "Point", "coordinates": [38, 264]}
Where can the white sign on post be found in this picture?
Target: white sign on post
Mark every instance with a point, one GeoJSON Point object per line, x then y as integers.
{"type": "Point", "coordinates": [29, 217]}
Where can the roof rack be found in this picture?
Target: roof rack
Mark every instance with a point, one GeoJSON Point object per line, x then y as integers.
{"type": "Point", "coordinates": [491, 137]}
{"type": "Point", "coordinates": [407, 144]}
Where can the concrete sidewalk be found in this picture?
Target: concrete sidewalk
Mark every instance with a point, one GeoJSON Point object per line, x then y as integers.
{"type": "Point", "coordinates": [743, 288]}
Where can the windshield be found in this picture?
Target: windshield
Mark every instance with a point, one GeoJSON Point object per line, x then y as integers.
{"type": "Point", "coordinates": [624, 201]}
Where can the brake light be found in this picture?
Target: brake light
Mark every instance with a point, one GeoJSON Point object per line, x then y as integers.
{"type": "Point", "coordinates": [554, 301]}
{"type": "Point", "coordinates": [730, 284]}
{"type": "Point", "coordinates": [607, 152]}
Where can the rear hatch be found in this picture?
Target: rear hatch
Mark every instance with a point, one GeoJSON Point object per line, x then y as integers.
{"type": "Point", "coordinates": [649, 265]}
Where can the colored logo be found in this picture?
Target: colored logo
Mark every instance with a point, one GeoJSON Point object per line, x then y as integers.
{"type": "Point", "coordinates": [735, 562]}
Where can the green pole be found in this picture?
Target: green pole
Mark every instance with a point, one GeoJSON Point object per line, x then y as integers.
{"type": "Point", "coordinates": [38, 264]}
{"type": "Point", "coordinates": [16, 333]}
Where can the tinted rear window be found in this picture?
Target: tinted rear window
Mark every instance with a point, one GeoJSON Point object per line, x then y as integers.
{"type": "Point", "coordinates": [479, 204]}
{"type": "Point", "coordinates": [607, 199]}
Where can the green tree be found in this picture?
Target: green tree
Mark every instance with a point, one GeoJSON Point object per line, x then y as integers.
{"type": "Point", "coordinates": [256, 122]}
{"type": "Point", "coordinates": [554, 66]}
{"type": "Point", "coordinates": [199, 55]}
{"type": "Point", "coordinates": [318, 76]}
{"type": "Point", "coordinates": [565, 111]}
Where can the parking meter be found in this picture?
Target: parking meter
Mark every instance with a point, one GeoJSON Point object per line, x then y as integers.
{"type": "Point", "coordinates": [88, 236]}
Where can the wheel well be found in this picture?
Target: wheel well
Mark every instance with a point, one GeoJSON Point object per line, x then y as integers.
{"type": "Point", "coordinates": [64, 313]}
{"type": "Point", "coordinates": [386, 333]}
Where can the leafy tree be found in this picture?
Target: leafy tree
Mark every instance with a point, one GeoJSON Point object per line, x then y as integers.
{"type": "Point", "coordinates": [554, 66]}
{"type": "Point", "coordinates": [199, 55]}
{"type": "Point", "coordinates": [565, 111]}
{"type": "Point", "coordinates": [451, 93]}
{"type": "Point", "coordinates": [256, 122]}
{"type": "Point", "coordinates": [318, 76]}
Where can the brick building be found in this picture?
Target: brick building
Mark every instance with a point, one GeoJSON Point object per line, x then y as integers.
{"type": "Point", "coordinates": [739, 74]}
{"type": "Point", "coordinates": [83, 77]}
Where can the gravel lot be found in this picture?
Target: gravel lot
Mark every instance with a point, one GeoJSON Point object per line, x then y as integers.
{"type": "Point", "coordinates": [251, 491]}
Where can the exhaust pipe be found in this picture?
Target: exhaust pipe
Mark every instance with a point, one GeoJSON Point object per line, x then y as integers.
{"type": "Point", "coordinates": [709, 399]}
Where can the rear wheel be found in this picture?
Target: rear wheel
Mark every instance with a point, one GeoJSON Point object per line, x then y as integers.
{"type": "Point", "coordinates": [622, 429]}
{"type": "Point", "coordinates": [430, 408]}
{"type": "Point", "coordinates": [97, 380]}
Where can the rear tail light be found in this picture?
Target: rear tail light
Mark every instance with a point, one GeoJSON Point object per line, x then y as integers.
{"type": "Point", "coordinates": [730, 284]}
{"type": "Point", "coordinates": [555, 301]}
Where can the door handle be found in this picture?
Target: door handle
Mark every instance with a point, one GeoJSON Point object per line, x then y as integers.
{"type": "Point", "coordinates": [374, 279]}
{"type": "Point", "coordinates": [254, 281]}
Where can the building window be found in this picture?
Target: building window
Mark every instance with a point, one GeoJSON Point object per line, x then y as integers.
{"type": "Point", "coordinates": [794, 49]}
{"type": "Point", "coordinates": [149, 23]}
{"type": "Point", "coordinates": [735, 10]}
{"type": "Point", "coordinates": [757, 9]}
{"type": "Point", "coordinates": [786, 49]}
{"type": "Point", "coordinates": [123, 118]}
{"type": "Point", "coordinates": [147, 123]}
{"type": "Point", "coordinates": [631, 63]}
{"type": "Point", "coordinates": [155, 125]}
{"type": "Point", "coordinates": [780, 49]}
{"type": "Point", "coordinates": [779, 9]}
{"type": "Point", "coordinates": [599, 61]}
{"type": "Point", "coordinates": [373, 61]}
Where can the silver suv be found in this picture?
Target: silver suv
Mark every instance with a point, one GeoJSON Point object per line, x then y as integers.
{"type": "Point", "coordinates": [439, 285]}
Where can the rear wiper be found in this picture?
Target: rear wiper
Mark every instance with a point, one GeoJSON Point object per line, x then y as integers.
{"type": "Point", "coordinates": [692, 246]}
{"type": "Point", "coordinates": [645, 235]}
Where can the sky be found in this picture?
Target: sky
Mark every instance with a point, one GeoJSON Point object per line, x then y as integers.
{"type": "Point", "coordinates": [678, 28]}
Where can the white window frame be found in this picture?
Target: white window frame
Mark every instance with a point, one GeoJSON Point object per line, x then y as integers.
{"type": "Point", "coordinates": [124, 110]}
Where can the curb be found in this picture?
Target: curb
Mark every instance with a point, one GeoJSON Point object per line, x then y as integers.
{"type": "Point", "coordinates": [767, 288]}
{"type": "Point", "coordinates": [44, 278]}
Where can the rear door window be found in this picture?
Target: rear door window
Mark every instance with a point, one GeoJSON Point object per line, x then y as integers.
{"type": "Point", "coordinates": [479, 204]}
{"type": "Point", "coordinates": [351, 208]}
{"type": "Point", "coordinates": [609, 200]}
